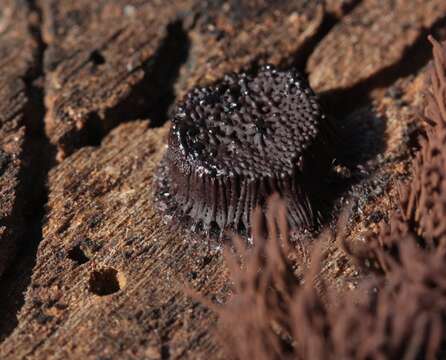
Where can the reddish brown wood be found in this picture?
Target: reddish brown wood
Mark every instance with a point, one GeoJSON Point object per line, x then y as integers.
{"type": "Point", "coordinates": [18, 59]}
{"type": "Point", "coordinates": [107, 280]}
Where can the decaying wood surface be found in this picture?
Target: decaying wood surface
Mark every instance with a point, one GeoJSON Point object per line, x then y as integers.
{"type": "Point", "coordinates": [105, 277]}
{"type": "Point", "coordinates": [90, 248]}
{"type": "Point", "coordinates": [18, 50]}
{"type": "Point", "coordinates": [376, 36]}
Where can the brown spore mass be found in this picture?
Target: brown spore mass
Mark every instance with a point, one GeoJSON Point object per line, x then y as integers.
{"type": "Point", "coordinates": [235, 143]}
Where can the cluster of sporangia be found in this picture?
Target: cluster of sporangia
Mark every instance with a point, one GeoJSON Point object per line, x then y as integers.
{"type": "Point", "coordinates": [398, 313]}
{"type": "Point", "coordinates": [235, 143]}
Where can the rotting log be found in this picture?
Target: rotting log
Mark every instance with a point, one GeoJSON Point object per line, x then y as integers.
{"type": "Point", "coordinates": [108, 277]}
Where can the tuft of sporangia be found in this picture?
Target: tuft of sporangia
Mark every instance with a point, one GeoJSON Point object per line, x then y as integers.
{"type": "Point", "coordinates": [399, 313]}
{"type": "Point", "coordinates": [248, 136]}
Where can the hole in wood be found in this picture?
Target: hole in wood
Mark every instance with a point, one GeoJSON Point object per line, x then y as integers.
{"type": "Point", "coordinates": [77, 255]}
{"type": "Point", "coordinates": [106, 281]}
{"type": "Point", "coordinates": [97, 58]}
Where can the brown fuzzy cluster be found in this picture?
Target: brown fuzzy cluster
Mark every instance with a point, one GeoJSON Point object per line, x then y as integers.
{"type": "Point", "coordinates": [423, 201]}
{"type": "Point", "coordinates": [255, 323]}
{"type": "Point", "coordinates": [402, 311]}
{"type": "Point", "coordinates": [425, 206]}
{"type": "Point", "coordinates": [276, 315]}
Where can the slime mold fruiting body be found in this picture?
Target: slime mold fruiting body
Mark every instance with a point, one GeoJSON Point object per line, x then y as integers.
{"type": "Point", "coordinates": [235, 143]}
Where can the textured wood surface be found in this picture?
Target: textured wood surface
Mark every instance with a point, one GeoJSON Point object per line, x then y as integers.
{"type": "Point", "coordinates": [374, 37]}
{"type": "Point", "coordinates": [103, 62]}
{"type": "Point", "coordinates": [106, 278]}
{"type": "Point", "coordinates": [18, 59]}
{"type": "Point", "coordinates": [88, 234]}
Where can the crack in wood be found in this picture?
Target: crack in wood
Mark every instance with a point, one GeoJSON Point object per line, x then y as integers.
{"type": "Point", "coordinates": [39, 155]}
